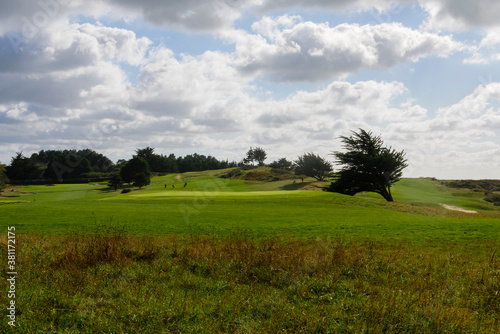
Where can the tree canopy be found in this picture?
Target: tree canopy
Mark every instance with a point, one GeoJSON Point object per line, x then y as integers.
{"type": "Point", "coordinates": [135, 169]}
{"type": "Point", "coordinates": [256, 154]}
{"type": "Point", "coordinates": [23, 168]}
{"type": "Point", "coordinates": [282, 163]}
{"type": "Point", "coordinates": [367, 166]}
{"type": "Point", "coordinates": [3, 178]}
{"type": "Point", "coordinates": [115, 181]}
{"type": "Point", "coordinates": [313, 165]}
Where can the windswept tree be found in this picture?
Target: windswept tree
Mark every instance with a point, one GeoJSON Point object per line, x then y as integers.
{"type": "Point", "coordinates": [256, 154]}
{"type": "Point", "coordinates": [313, 165]}
{"type": "Point", "coordinates": [367, 166]}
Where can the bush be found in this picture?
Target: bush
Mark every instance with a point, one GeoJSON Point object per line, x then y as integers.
{"type": "Point", "coordinates": [127, 190]}
{"type": "Point", "coordinates": [232, 173]}
{"type": "Point", "coordinates": [493, 198]}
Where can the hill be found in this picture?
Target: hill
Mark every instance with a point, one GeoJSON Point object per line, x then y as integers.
{"type": "Point", "coordinates": [212, 203]}
{"type": "Point", "coordinates": [251, 254]}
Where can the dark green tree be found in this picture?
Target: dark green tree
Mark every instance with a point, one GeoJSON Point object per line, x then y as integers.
{"type": "Point", "coordinates": [132, 168]}
{"type": "Point", "coordinates": [3, 178]}
{"type": "Point", "coordinates": [147, 154]}
{"type": "Point", "coordinates": [158, 163]}
{"type": "Point", "coordinates": [255, 154]}
{"type": "Point", "coordinates": [259, 155]}
{"type": "Point", "coordinates": [98, 162]}
{"type": "Point", "coordinates": [67, 165]}
{"type": "Point", "coordinates": [367, 166]}
{"type": "Point", "coordinates": [282, 164]}
{"type": "Point", "coordinates": [141, 180]}
{"type": "Point", "coordinates": [313, 165]}
{"type": "Point", "coordinates": [23, 168]}
{"type": "Point", "coordinates": [115, 181]}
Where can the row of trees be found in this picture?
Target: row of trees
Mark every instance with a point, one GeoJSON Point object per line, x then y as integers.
{"type": "Point", "coordinates": [76, 164]}
{"type": "Point", "coordinates": [367, 166]}
{"type": "Point", "coordinates": [170, 164]}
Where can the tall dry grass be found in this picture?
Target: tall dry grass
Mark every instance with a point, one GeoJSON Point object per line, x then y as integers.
{"type": "Point", "coordinates": [113, 282]}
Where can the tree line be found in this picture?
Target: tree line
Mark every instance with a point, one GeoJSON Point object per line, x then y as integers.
{"type": "Point", "coordinates": [366, 166]}
{"type": "Point", "coordinates": [69, 165]}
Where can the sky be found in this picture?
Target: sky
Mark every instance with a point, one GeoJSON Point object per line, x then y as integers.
{"type": "Point", "coordinates": [217, 77]}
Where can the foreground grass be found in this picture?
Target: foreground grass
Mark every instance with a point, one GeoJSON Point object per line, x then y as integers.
{"type": "Point", "coordinates": [109, 281]}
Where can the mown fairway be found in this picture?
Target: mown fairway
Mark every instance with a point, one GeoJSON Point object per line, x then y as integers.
{"type": "Point", "coordinates": [213, 205]}
{"type": "Point", "coordinates": [234, 256]}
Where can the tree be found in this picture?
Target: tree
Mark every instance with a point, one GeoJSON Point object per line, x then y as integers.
{"type": "Point", "coordinates": [368, 166]}
{"type": "Point", "coordinates": [135, 166]}
{"type": "Point", "coordinates": [256, 154]}
{"type": "Point", "coordinates": [313, 165]}
{"type": "Point", "coordinates": [115, 181]}
{"type": "Point", "coordinates": [3, 178]}
{"type": "Point", "coordinates": [282, 164]}
{"type": "Point", "coordinates": [23, 168]}
{"type": "Point", "coordinates": [141, 180]}
{"type": "Point", "coordinates": [67, 164]}
{"type": "Point", "coordinates": [98, 162]}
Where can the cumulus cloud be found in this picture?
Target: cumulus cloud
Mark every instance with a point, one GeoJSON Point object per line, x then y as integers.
{"type": "Point", "coordinates": [67, 86]}
{"type": "Point", "coordinates": [460, 15]}
{"type": "Point", "coordinates": [270, 5]}
{"type": "Point", "coordinates": [458, 140]}
{"type": "Point", "coordinates": [206, 92]}
{"type": "Point", "coordinates": [443, 14]}
{"type": "Point", "coordinates": [209, 15]}
{"type": "Point", "coordinates": [286, 49]}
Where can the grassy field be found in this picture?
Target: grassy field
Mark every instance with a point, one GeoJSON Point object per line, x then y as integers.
{"type": "Point", "coordinates": [213, 205]}
{"type": "Point", "coordinates": [247, 256]}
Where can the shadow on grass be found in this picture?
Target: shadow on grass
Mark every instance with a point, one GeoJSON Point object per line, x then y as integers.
{"type": "Point", "coordinates": [295, 186]}
{"type": "Point", "coordinates": [112, 189]}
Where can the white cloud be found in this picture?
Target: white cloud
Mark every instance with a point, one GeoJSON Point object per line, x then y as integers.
{"type": "Point", "coordinates": [461, 15]}
{"type": "Point", "coordinates": [67, 88]}
{"type": "Point", "coordinates": [270, 5]}
{"type": "Point", "coordinates": [287, 50]}
{"type": "Point", "coordinates": [209, 15]}
{"type": "Point", "coordinates": [488, 50]}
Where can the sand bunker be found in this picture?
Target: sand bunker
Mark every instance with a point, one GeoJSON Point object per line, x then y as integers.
{"type": "Point", "coordinates": [456, 208]}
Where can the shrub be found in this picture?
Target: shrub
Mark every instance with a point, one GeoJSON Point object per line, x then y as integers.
{"type": "Point", "coordinates": [493, 198]}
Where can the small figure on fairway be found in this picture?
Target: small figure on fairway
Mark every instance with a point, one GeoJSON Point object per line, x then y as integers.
{"type": "Point", "coordinates": [185, 184]}
{"type": "Point", "coordinates": [165, 186]}
{"type": "Point", "coordinates": [173, 186]}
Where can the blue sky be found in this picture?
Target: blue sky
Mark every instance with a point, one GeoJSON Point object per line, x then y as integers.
{"type": "Point", "coordinates": [218, 76]}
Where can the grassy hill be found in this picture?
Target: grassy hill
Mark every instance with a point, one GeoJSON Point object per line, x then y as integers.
{"type": "Point", "coordinates": [251, 253]}
{"type": "Point", "coordinates": [213, 203]}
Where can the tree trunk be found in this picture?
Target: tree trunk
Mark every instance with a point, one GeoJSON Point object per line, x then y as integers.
{"type": "Point", "coordinates": [386, 193]}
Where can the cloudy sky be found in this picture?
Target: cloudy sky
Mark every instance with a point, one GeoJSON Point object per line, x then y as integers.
{"type": "Point", "coordinates": [218, 76]}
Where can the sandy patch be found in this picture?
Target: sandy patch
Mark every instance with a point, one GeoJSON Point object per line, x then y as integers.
{"type": "Point", "coordinates": [178, 177]}
{"type": "Point", "coordinates": [456, 208]}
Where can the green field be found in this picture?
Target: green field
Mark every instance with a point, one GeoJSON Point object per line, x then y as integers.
{"type": "Point", "coordinates": [213, 205]}
{"type": "Point", "coordinates": [241, 256]}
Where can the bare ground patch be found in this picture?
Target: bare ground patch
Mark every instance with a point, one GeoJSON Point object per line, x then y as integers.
{"type": "Point", "coordinates": [456, 208]}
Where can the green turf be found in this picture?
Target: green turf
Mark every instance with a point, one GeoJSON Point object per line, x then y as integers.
{"type": "Point", "coordinates": [219, 206]}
